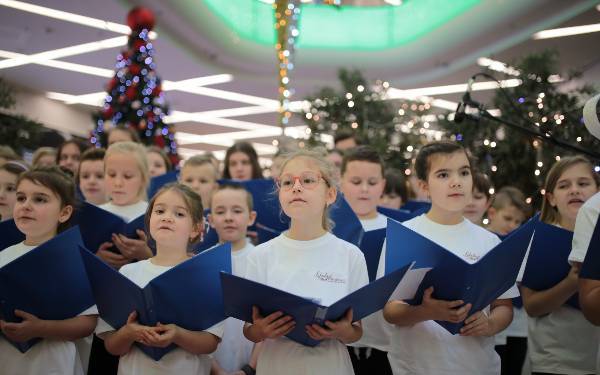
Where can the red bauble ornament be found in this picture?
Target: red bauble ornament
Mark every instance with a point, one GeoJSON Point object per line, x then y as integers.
{"type": "Point", "coordinates": [112, 84]}
{"type": "Point", "coordinates": [157, 90]}
{"type": "Point", "coordinates": [138, 44]}
{"type": "Point", "coordinates": [159, 141]}
{"type": "Point", "coordinates": [134, 69]}
{"type": "Point", "coordinates": [107, 113]}
{"type": "Point", "coordinates": [140, 18]}
{"type": "Point", "coordinates": [130, 92]}
{"type": "Point", "coordinates": [150, 116]}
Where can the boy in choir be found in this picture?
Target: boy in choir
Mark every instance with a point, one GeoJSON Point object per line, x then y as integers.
{"type": "Point", "coordinates": [231, 213]}
{"type": "Point", "coordinates": [507, 211]}
{"type": "Point", "coordinates": [418, 344]}
{"type": "Point", "coordinates": [200, 174]}
{"type": "Point", "coordinates": [362, 184]}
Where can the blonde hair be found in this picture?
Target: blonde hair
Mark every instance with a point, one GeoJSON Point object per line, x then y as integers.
{"type": "Point", "coordinates": [549, 213]}
{"type": "Point", "coordinates": [41, 152]}
{"type": "Point", "coordinates": [199, 160]}
{"type": "Point", "coordinates": [138, 152]}
{"type": "Point", "coordinates": [327, 170]}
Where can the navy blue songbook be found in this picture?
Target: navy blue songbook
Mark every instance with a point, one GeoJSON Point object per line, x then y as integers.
{"type": "Point", "coordinates": [347, 225]}
{"type": "Point", "coordinates": [97, 225]}
{"type": "Point", "coordinates": [417, 207]}
{"type": "Point", "coordinates": [239, 295]}
{"type": "Point", "coordinates": [159, 181]}
{"type": "Point", "coordinates": [452, 277]}
{"type": "Point", "coordinates": [591, 264]}
{"type": "Point", "coordinates": [547, 263]}
{"type": "Point", "coordinates": [398, 215]}
{"type": "Point", "coordinates": [49, 282]}
{"type": "Point", "coordinates": [371, 246]}
{"type": "Point", "coordinates": [9, 234]}
{"type": "Point", "coordinates": [188, 295]}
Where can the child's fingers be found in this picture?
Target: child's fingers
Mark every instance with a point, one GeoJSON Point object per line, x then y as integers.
{"type": "Point", "coordinates": [255, 314]}
{"type": "Point", "coordinates": [24, 315]}
{"type": "Point", "coordinates": [284, 329]}
{"type": "Point", "coordinates": [142, 235]}
{"type": "Point", "coordinates": [280, 322]}
{"type": "Point", "coordinates": [273, 317]}
{"type": "Point", "coordinates": [454, 304]}
{"type": "Point", "coordinates": [473, 317]}
{"type": "Point", "coordinates": [321, 331]}
{"type": "Point", "coordinates": [348, 316]}
{"type": "Point", "coordinates": [132, 318]}
{"type": "Point", "coordinates": [427, 293]}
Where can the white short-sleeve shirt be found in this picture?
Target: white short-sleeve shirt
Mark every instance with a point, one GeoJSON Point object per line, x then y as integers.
{"type": "Point", "coordinates": [426, 347]}
{"type": "Point", "coordinates": [325, 269]}
{"type": "Point", "coordinates": [48, 356]}
{"type": "Point", "coordinates": [177, 361]}
{"type": "Point", "coordinates": [127, 213]}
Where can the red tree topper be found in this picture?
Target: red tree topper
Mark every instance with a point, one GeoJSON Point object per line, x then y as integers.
{"type": "Point", "coordinates": [140, 18]}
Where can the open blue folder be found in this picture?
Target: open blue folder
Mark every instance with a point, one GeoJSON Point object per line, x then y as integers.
{"type": "Point", "coordinates": [159, 181]}
{"type": "Point", "coordinates": [548, 263]}
{"type": "Point", "coordinates": [9, 234]}
{"type": "Point", "coordinates": [398, 215]}
{"type": "Point", "coordinates": [347, 225]}
{"type": "Point", "coordinates": [452, 277]}
{"type": "Point", "coordinates": [591, 264]}
{"type": "Point", "coordinates": [49, 282]}
{"type": "Point", "coordinates": [371, 246]}
{"type": "Point", "coordinates": [97, 225]}
{"type": "Point", "coordinates": [188, 295]}
{"type": "Point", "coordinates": [418, 207]}
{"type": "Point", "coordinates": [239, 295]}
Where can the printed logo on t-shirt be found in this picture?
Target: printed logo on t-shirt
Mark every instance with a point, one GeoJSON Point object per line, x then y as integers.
{"type": "Point", "coordinates": [329, 277]}
{"type": "Point", "coordinates": [471, 256]}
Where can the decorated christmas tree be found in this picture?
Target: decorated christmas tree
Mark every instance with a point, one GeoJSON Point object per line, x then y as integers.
{"type": "Point", "coordinates": [545, 102]}
{"type": "Point", "coordinates": [134, 97]}
{"type": "Point", "coordinates": [395, 128]}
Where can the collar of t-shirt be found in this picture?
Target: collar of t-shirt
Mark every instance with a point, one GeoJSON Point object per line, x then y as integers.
{"type": "Point", "coordinates": [378, 222]}
{"type": "Point", "coordinates": [318, 242]}
{"type": "Point", "coordinates": [243, 251]}
{"type": "Point", "coordinates": [129, 212]}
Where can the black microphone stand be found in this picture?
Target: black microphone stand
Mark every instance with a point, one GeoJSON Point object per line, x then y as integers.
{"type": "Point", "coordinates": [483, 113]}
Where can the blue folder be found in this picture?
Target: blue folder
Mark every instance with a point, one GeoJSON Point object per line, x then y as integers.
{"type": "Point", "coordinates": [347, 225]}
{"type": "Point", "coordinates": [49, 282]}
{"type": "Point", "coordinates": [159, 181]}
{"type": "Point", "coordinates": [97, 225]}
{"type": "Point", "coordinates": [591, 263]}
{"type": "Point", "coordinates": [452, 277]}
{"type": "Point", "coordinates": [371, 246]}
{"type": "Point", "coordinates": [398, 215]}
{"type": "Point", "coordinates": [188, 295]}
{"type": "Point", "coordinates": [417, 207]}
{"type": "Point", "coordinates": [9, 234]}
{"type": "Point", "coordinates": [239, 295]}
{"type": "Point", "coordinates": [548, 263]}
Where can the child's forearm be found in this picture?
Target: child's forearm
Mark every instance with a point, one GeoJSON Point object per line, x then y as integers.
{"type": "Point", "coordinates": [118, 342]}
{"type": "Point", "coordinates": [196, 342]}
{"type": "Point", "coordinates": [250, 334]}
{"type": "Point", "coordinates": [545, 301]}
{"type": "Point", "coordinates": [402, 314]}
{"type": "Point", "coordinates": [68, 329]}
{"type": "Point", "coordinates": [501, 315]}
{"type": "Point", "coordinates": [354, 334]}
{"type": "Point", "coordinates": [589, 298]}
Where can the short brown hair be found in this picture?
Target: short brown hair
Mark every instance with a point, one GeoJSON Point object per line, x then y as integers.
{"type": "Point", "coordinates": [423, 160]}
{"type": "Point", "coordinates": [511, 196]}
{"type": "Point", "coordinates": [362, 153]}
{"type": "Point", "coordinates": [236, 187]}
{"type": "Point", "coordinates": [482, 183]}
{"type": "Point", "coordinates": [91, 154]}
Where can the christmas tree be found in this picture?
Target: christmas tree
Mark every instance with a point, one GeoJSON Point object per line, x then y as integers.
{"type": "Point", "coordinates": [134, 95]}
{"type": "Point", "coordinates": [544, 102]}
{"type": "Point", "coordinates": [395, 128]}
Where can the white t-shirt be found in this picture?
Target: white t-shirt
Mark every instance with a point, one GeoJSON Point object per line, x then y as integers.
{"type": "Point", "coordinates": [426, 347]}
{"type": "Point", "coordinates": [235, 349]}
{"type": "Point", "coordinates": [52, 357]}
{"type": "Point", "coordinates": [324, 269]}
{"type": "Point", "coordinates": [378, 222]}
{"type": "Point", "coordinates": [376, 330]}
{"type": "Point", "coordinates": [177, 361]}
{"type": "Point", "coordinates": [587, 217]}
{"type": "Point", "coordinates": [127, 213]}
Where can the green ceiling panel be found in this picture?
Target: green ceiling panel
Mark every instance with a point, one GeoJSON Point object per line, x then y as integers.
{"type": "Point", "coordinates": [346, 27]}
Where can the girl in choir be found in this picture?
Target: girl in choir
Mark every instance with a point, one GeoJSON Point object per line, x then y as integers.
{"type": "Point", "coordinates": [68, 155]}
{"type": "Point", "coordinates": [126, 178]}
{"type": "Point", "coordinates": [309, 261]}
{"type": "Point", "coordinates": [158, 161]}
{"type": "Point", "coordinates": [9, 173]}
{"type": "Point", "coordinates": [174, 219]}
{"type": "Point", "coordinates": [561, 341]}
{"type": "Point", "coordinates": [418, 344]}
{"type": "Point", "coordinates": [45, 201]}
{"type": "Point", "coordinates": [90, 176]}
{"type": "Point", "coordinates": [241, 163]}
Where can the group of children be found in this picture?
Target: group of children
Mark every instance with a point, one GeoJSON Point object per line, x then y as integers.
{"type": "Point", "coordinates": [306, 260]}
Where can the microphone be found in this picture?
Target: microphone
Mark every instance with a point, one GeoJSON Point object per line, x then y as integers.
{"type": "Point", "coordinates": [459, 115]}
{"type": "Point", "coordinates": [591, 110]}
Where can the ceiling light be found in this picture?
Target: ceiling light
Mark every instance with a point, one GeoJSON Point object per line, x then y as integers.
{"type": "Point", "coordinates": [70, 17]}
{"type": "Point", "coordinates": [498, 66]}
{"type": "Point", "coordinates": [80, 68]}
{"type": "Point", "coordinates": [451, 89]}
{"type": "Point", "coordinates": [567, 31]}
{"type": "Point", "coordinates": [64, 52]}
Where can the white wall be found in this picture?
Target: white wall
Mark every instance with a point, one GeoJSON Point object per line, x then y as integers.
{"type": "Point", "coordinates": [67, 119]}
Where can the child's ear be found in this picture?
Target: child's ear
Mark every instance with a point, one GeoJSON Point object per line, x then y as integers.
{"type": "Point", "coordinates": [65, 214]}
{"type": "Point", "coordinates": [331, 195]}
{"type": "Point", "coordinates": [210, 220]}
{"type": "Point", "coordinates": [551, 199]}
{"type": "Point", "coordinates": [252, 218]}
{"type": "Point", "coordinates": [424, 186]}
{"type": "Point", "coordinates": [491, 213]}
{"type": "Point", "coordinates": [197, 231]}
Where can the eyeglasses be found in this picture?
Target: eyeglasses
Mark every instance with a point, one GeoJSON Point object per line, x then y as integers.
{"type": "Point", "coordinates": [308, 180]}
